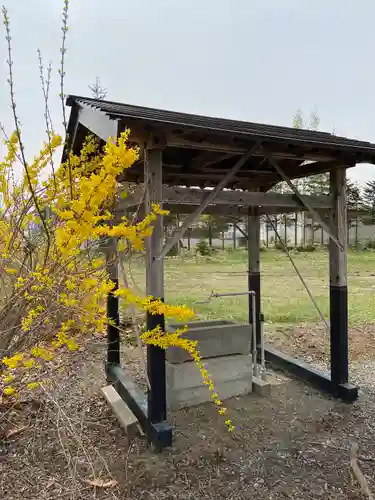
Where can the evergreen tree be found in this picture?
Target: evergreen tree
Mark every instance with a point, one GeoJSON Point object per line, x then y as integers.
{"type": "Point", "coordinates": [353, 196]}
{"type": "Point", "coordinates": [369, 202]}
{"type": "Point", "coordinates": [98, 92]}
{"type": "Point", "coordinates": [298, 120]}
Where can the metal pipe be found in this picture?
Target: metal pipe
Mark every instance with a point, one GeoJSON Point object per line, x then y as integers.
{"type": "Point", "coordinates": [254, 332]}
{"type": "Point", "coordinates": [300, 276]}
{"type": "Point", "coordinates": [231, 294]}
{"type": "Point", "coordinates": [262, 356]}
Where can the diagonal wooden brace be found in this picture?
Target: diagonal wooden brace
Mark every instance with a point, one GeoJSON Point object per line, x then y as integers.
{"type": "Point", "coordinates": [178, 234]}
{"type": "Point", "coordinates": [300, 197]}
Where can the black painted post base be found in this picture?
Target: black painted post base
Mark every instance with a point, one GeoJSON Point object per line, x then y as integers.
{"type": "Point", "coordinates": [113, 334]}
{"type": "Point", "coordinates": [339, 334]}
{"type": "Point", "coordinates": [157, 394]}
{"type": "Point", "coordinates": [254, 285]}
{"type": "Point", "coordinates": [347, 392]}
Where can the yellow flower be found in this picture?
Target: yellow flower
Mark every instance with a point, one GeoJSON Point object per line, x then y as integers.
{"type": "Point", "coordinates": [8, 391]}
{"type": "Point", "coordinates": [28, 363]}
{"type": "Point", "coordinates": [33, 385]}
{"type": "Point", "coordinates": [10, 270]}
{"type": "Point", "coordinates": [41, 352]}
{"type": "Point", "coordinates": [72, 345]}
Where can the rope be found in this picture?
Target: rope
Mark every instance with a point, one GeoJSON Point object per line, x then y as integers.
{"type": "Point", "coordinates": [299, 275]}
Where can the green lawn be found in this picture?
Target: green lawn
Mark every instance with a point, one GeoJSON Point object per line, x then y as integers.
{"type": "Point", "coordinates": [284, 300]}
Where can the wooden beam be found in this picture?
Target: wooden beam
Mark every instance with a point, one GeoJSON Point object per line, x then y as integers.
{"type": "Point", "coordinates": [209, 198]}
{"type": "Point", "coordinates": [157, 403]}
{"type": "Point", "coordinates": [110, 249]}
{"type": "Point", "coordinates": [303, 201]}
{"type": "Point", "coordinates": [235, 211]}
{"type": "Point", "coordinates": [302, 171]}
{"type": "Point", "coordinates": [98, 123]}
{"type": "Point", "coordinates": [253, 249]}
{"type": "Point", "coordinates": [239, 228]}
{"type": "Point", "coordinates": [176, 141]}
{"type": "Point", "coordinates": [338, 281]}
{"type": "Point", "coordinates": [190, 196]}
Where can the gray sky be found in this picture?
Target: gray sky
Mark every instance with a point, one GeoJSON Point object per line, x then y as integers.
{"type": "Point", "coordinates": [255, 60]}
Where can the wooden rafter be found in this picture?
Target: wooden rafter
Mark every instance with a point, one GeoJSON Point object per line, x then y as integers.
{"type": "Point", "coordinates": [315, 215]}
{"type": "Point", "coordinates": [209, 198]}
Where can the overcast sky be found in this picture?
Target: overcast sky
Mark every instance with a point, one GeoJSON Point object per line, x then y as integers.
{"type": "Point", "coordinates": [255, 60]}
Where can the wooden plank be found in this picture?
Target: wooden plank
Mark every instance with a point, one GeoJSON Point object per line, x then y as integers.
{"type": "Point", "coordinates": [154, 244]}
{"type": "Point", "coordinates": [338, 257]}
{"type": "Point", "coordinates": [157, 399]}
{"type": "Point", "coordinates": [230, 146]}
{"type": "Point", "coordinates": [338, 282]}
{"type": "Point", "coordinates": [126, 418]}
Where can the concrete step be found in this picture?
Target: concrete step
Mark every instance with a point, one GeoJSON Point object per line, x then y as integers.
{"type": "Point", "coordinates": [231, 375]}
{"type": "Point", "coordinates": [124, 415]}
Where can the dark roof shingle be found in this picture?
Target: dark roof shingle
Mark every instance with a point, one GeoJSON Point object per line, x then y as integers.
{"type": "Point", "coordinates": [220, 125]}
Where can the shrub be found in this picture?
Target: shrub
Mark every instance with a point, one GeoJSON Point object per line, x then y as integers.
{"type": "Point", "coordinates": [202, 248]}
{"type": "Point", "coordinates": [306, 248]}
{"type": "Point", "coordinates": [280, 246]}
{"type": "Point", "coordinates": [369, 244]}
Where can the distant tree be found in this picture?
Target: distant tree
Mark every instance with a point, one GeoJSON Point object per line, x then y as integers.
{"type": "Point", "coordinates": [354, 202]}
{"type": "Point", "coordinates": [369, 202]}
{"type": "Point", "coordinates": [314, 120]}
{"type": "Point", "coordinates": [298, 120]}
{"type": "Point", "coordinates": [214, 225]}
{"type": "Point", "coordinates": [316, 184]}
{"type": "Point", "coordinates": [98, 92]}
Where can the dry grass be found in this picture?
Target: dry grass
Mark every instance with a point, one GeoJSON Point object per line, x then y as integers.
{"type": "Point", "coordinates": [284, 300]}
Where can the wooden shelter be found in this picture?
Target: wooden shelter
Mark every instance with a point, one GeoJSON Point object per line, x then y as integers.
{"type": "Point", "coordinates": [194, 164]}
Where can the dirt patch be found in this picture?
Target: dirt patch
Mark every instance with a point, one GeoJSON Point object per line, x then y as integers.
{"type": "Point", "coordinates": [294, 445]}
{"type": "Point", "coordinates": [311, 342]}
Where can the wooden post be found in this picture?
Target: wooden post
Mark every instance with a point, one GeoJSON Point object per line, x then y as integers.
{"type": "Point", "coordinates": [189, 238]}
{"type": "Point", "coordinates": [113, 334]}
{"type": "Point", "coordinates": [234, 237]}
{"type": "Point", "coordinates": [338, 282]}
{"type": "Point", "coordinates": [210, 235]}
{"type": "Point", "coordinates": [157, 406]}
{"type": "Point", "coordinates": [253, 245]}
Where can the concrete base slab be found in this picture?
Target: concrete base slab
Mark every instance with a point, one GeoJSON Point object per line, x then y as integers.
{"type": "Point", "coordinates": [231, 375]}
{"type": "Point", "coordinates": [125, 417]}
{"type": "Point", "coordinates": [261, 387]}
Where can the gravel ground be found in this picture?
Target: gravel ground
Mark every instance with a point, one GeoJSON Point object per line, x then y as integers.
{"type": "Point", "coordinates": [293, 445]}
